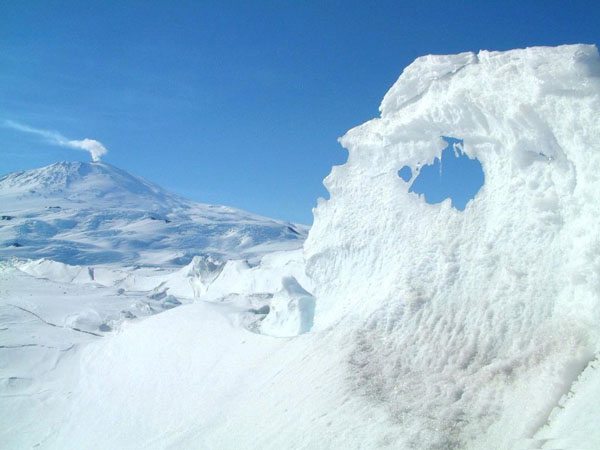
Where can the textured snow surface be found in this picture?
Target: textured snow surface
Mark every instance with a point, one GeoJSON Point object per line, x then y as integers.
{"type": "Point", "coordinates": [472, 323]}
{"type": "Point", "coordinates": [139, 376]}
{"type": "Point", "coordinates": [402, 324]}
{"type": "Point", "coordinates": [95, 213]}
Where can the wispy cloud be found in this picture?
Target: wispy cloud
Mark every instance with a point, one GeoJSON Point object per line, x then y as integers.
{"type": "Point", "coordinates": [95, 148]}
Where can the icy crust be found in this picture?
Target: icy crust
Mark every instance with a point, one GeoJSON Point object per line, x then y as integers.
{"type": "Point", "coordinates": [468, 324]}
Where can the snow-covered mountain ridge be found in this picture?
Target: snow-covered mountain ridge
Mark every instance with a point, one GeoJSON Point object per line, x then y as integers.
{"type": "Point", "coordinates": [95, 213]}
{"type": "Point", "coordinates": [79, 182]}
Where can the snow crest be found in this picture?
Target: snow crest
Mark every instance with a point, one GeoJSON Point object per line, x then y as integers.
{"type": "Point", "coordinates": [461, 318]}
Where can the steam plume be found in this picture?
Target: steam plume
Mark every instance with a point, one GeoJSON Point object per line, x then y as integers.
{"type": "Point", "coordinates": [95, 148]}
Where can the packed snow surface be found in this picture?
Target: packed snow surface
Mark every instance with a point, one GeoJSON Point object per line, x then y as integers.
{"type": "Point", "coordinates": [402, 325]}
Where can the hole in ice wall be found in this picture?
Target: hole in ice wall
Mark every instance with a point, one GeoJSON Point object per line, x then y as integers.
{"type": "Point", "coordinates": [455, 176]}
{"type": "Point", "coordinates": [405, 173]}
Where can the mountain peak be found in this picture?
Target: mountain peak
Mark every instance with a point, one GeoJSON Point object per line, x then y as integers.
{"type": "Point", "coordinates": [93, 212]}
{"type": "Point", "coordinates": [87, 182]}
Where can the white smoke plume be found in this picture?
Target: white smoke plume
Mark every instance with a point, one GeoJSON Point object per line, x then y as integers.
{"type": "Point", "coordinates": [95, 148]}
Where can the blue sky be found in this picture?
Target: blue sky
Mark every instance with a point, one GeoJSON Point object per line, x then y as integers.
{"type": "Point", "coordinates": [236, 103]}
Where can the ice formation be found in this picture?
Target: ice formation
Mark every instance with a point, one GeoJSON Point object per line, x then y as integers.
{"type": "Point", "coordinates": [292, 310]}
{"type": "Point", "coordinates": [465, 318]}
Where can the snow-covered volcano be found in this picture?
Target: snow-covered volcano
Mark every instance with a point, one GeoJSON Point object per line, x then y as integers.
{"type": "Point", "coordinates": [95, 213]}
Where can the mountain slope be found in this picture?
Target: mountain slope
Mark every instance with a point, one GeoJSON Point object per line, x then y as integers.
{"type": "Point", "coordinates": [95, 213]}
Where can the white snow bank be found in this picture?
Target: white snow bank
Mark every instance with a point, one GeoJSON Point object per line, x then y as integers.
{"type": "Point", "coordinates": [206, 278]}
{"type": "Point", "coordinates": [291, 311]}
{"type": "Point", "coordinates": [241, 278]}
{"type": "Point", "coordinates": [191, 378]}
{"type": "Point", "coordinates": [269, 291]}
{"type": "Point", "coordinates": [574, 424]}
{"type": "Point", "coordinates": [192, 280]}
{"type": "Point", "coordinates": [55, 271]}
{"type": "Point", "coordinates": [466, 317]}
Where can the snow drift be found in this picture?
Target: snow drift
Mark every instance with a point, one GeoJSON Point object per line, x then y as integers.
{"type": "Point", "coordinates": [470, 323]}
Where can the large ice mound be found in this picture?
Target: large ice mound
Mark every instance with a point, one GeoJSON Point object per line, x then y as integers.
{"type": "Point", "coordinates": [470, 323]}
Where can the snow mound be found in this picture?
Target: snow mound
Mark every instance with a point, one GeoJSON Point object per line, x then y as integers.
{"type": "Point", "coordinates": [461, 318]}
{"type": "Point", "coordinates": [55, 271]}
{"type": "Point", "coordinates": [241, 278]}
{"type": "Point", "coordinates": [291, 311]}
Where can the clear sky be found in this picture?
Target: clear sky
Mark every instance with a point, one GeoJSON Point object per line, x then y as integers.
{"type": "Point", "coordinates": [236, 103]}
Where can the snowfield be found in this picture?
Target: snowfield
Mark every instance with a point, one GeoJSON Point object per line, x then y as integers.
{"type": "Point", "coordinates": [133, 319]}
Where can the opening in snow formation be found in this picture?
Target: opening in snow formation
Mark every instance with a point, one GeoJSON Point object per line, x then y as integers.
{"type": "Point", "coordinates": [405, 173]}
{"type": "Point", "coordinates": [456, 176]}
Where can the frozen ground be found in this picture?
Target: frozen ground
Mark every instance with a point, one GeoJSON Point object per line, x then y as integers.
{"type": "Point", "coordinates": [400, 325]}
